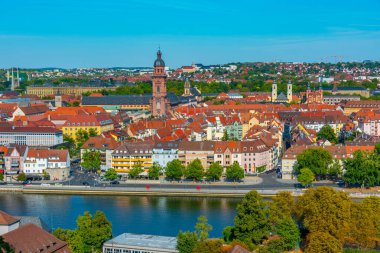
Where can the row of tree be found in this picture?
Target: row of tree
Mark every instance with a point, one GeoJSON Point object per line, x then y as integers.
{"type": "Point", "coordinates": [195, 171]}
{"type": "Point", "coordinates": [363, 169]}
{"type": "Point", "coordinates": [322, 220]}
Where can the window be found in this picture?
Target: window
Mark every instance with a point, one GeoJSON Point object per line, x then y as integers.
{"type": "Point", "coordinates": [108, 250]}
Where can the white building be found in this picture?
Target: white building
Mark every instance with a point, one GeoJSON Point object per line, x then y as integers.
{"type": "Point", "coordinates": [30, 136]}
{"type": "Point", "coordinates": [136, 243]}
{"type": "Point", "coordinates": [164, 152]}
{"type": "Point", "coordinates": [54, 162]}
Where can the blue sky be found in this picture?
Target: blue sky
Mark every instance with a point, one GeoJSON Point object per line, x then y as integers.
{"type": "Point", "coordinates": [106, 33]}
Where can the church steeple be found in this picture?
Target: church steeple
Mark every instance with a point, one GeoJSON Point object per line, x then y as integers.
{"type": "Point", "coordinates": [289, 94]}
{"type": "Point", "coordinates": [159, 103]}
{"type": "Point", "coordinates": [274, 91]}
{"type": "Point", "coordinates": [186, 88]}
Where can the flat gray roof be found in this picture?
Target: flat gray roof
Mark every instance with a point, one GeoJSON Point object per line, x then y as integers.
{"type": "Point", "coordinates": [143, 240]}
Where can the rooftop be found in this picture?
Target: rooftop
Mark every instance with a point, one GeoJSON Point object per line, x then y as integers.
{"type": "Point", "coordinates": [141, 240]}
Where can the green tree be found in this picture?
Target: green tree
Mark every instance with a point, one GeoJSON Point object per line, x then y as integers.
{"type": "Point", "coordinates": [195, 170]}
{"type": "Point", "coordinates": [362, 169]}
{"type": "Point", "coordinates": [365, 223]}
{"type": "Point", "coordinates": [4, 246]}
{"type": "Point", "coordinates": [90, 234]}
{"type": "Point", "coordinates": [214, 172]}
{"type": "Point", "coordinates": [288, 230]}
{"type": "Point", "coordinates": [186, 241]}
{"type": "Point", "coordinates": [323, 209]}
{"type": "Point", "coordinates": [320, 242]}
{"type": "Point", "coordinates": [317, 160]}
{"type": "Point", "coordinates": [281, 207]}
{"type": "Point", "coordinates": [209, 246]}
{"type": "Point", "coordinates": [69, 140]}
{"type": "Point", "coordinates": [155, 171]}
{"type": "Point", "coordinates": [1, 176]}
{"type": "Point", "coordinates": [225, 136]}
{"type": "Point", "coordinates": [327, 133]}
{"type": "Point", "coordinates": [272, 246]}
{"type": "Point", "coordinates": [136, 169]}
{"type": "Point", "coordinates": [45, 175]}
{"type": "Point", "coordinates": [228, 234]}
{"type": "Point", "coordinates": [202, 228]}
{"type": "Point", "coordinates": [92, 132]}
{"type": "Point", "coordinates": [306, 177]}
{"type": "Point", "coordinates": [74, 241]}
{"type": "Point", "coordinates": [335, 169]}
{"type": "Point", "coordinates": [81, 136]}
{"type": "Point", "coordinates": [251, 224]}
{"type": "Point", "coordinates": [234, 172]}
{"type": "Point", "coordinates": [111, 174]}
{"type": "Point", "coordinates": [174, 169]}
{"type": "Point", "coordinates": [91, 160]}
{"type": "Point", "coordinates": [21, 177]}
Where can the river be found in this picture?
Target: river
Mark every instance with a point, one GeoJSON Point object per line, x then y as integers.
{"type": "Point", "coordinates": [149, 215]}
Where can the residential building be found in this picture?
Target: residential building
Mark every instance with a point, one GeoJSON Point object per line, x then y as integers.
{"type": "Point", "coordinates": [234, 127]}
{"type": "Point", "coordinates": [130, 153]}
{"type": "Point", "coordinates": [165, 151]}
{"type": "Point", "coordinates": [105, 146]}
{"type": "Point", "coordinates": [8, 223]}
{"type": "Point", "coordinates": [24, 238]}
{"type": "Point", "coordinates": [354, 106]}
{"type": "Point", "coordinates": [14, 160]}
{"type": "Point", "coordinates": [191, 150]}
{"type": "Point", "coordinates": [55, 162]}
{"type": "Point", "coordinates": [227, 152]}
{"type": "Point", "coordinates": [100, 122]}
{"type": "Point", "coordinates": [32, 110]}
{"type": "Point", "coordinates": [31, 136]}
{"type": "Point", "coordinates": [140, 243]}
{"type": "Point", "coordinates": [336, 99]}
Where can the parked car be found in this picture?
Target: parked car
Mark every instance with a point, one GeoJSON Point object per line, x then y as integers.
{"type": "Point", "coordinates": [115, 182]}
{"type": "Point", "coordinates": [86, 183]}
{"type": "Point", "coordinates": [27, 182]}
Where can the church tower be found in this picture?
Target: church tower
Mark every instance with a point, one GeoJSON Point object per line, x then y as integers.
{"type": "Point", "coordinates": [58, 100]}
{"type": "Point", "coordinates": [274, 91]}
{"type": "Point", "coordinates": [290, 91]}
{"type": "Point", "coordinates": [159, 103]}
{"type": "Point", "coordinates": [186, 88]}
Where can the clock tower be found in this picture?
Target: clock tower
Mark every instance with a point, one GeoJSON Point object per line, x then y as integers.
{"type": "Point", "coordinates": [159, 103]}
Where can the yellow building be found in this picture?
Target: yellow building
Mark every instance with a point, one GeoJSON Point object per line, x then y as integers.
{"type": "Point", "coordinates": [129, 154]}
{"type": "Point", "coordinates": [43, 91]}
{"type": "Point", "coordinates": [101, 123]}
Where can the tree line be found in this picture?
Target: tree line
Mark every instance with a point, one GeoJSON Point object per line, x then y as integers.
{"type": "Point", "coordinates": [321, 220]}
{"type": "Point", "coordinates": [363, 169]}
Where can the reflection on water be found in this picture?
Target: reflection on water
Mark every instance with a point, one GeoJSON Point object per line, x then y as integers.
{"type": "Point", "coordinates": [154, 215]}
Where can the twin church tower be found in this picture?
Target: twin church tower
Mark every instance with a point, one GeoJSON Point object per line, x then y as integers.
{"type": "Point", "coordinates": [282, 97]}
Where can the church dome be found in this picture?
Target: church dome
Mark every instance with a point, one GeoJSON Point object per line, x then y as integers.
{"type": "Point", "coordinates": [159, 62]}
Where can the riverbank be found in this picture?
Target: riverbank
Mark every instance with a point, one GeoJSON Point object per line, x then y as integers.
{"type": "Point", "coordinates": [162, 192]}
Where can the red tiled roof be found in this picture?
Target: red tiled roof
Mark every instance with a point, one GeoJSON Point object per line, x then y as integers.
{"type": "Point", "coordinates": [6, 219]}
{"type": "Point", "coordinates": [31, 238]}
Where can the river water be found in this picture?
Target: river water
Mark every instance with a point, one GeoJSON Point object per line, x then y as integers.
{"type": "Point", "coordinates": [148, 215]}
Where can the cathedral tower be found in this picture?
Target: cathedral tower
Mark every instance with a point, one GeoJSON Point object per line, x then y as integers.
{"type": "Point", "coordinates": [289, 94]}
{"type": "Point", "coordinates": [274, 91]}
{"type": "Point", "coordinates": [159, 103]}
